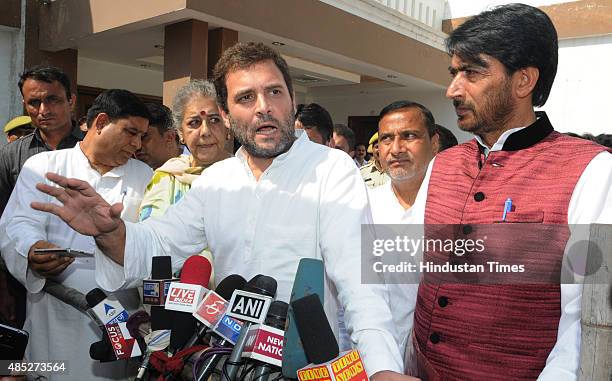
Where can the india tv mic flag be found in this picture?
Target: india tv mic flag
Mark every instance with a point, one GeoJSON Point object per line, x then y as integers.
{"type": "Point", "coordinates": [212, 308]}
{"type": "Point", "coordinates": [211, 312]}
{"type": "Point", "coordinates": [346, 367]}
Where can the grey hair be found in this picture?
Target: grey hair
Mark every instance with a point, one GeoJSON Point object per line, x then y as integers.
{"type": "Point", "coordinates": [195, 87]}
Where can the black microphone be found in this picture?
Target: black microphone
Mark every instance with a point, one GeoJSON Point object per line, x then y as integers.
{"type": "Point", "coordinates": [250, 307]}
{"type": "Point", "coordinates": [104, 311]}
{"type": "Point", "coordinates": [154, 292]}
{"type": "Point", "coordinates": [276, 318]}
{"type": "Point", "coordinates": [225, 289]}
{"type": "Point", "coordinates": [317, 337]}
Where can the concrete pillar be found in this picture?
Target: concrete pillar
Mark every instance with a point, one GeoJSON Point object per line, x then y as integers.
{"type": "Point", "coordinates": [185, 55]}
{"type": "Point", "coordinates": [218, 41]}
{"type": "Point", "coordinates": [66, 59]}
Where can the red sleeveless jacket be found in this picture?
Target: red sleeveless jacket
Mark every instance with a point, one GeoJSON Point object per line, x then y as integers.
{"type": "Point", "coordinates": [497, 332]}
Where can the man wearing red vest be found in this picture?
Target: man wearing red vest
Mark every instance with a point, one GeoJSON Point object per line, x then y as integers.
{"type": "Point", "coordinates": [503, 64]}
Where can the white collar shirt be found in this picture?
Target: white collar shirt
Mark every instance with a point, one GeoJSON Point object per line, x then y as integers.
{"type": "Point", "coordinates": [59, 332]}
{"type": "Point", "coordinates": [309, 203]}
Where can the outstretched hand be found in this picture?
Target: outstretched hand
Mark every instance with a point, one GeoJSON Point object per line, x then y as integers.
{"type": "Point", "coordinates": [83, 208]}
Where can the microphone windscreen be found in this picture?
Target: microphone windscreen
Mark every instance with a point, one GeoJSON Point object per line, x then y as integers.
{"type": "Point", "coordinates": [135, 323]}
{"type": "Point", "coordinates": [94, 297]}
{"type": "Point", "coordinates": [227, 286]}
{"type": "Point", "coordinates": [161, 267]}
{"type": "Point", "coordinates": [161, 318]}
{"type": "Point", "coordinates": [277, 314]}
{"type": "Point", "coordinates": [196, 270]}
{"type": "Point", "coordinates": [183, 327]}
{"type": "Point", "coordinates": [309, 279]}
{"type": "Point", "coordinates": [102, 350]}
{"type": "Point", "coordinates": [262, 285]}
{"type": "Point", "coordinates": [319, 342]}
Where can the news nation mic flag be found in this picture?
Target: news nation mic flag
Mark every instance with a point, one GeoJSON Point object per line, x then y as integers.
{"type": "Point", "coordinates": [264, 343]}
{"type": "Point", "coordinates": [124, 345]}
{"type": "Point", "coordinates": [346, 367]}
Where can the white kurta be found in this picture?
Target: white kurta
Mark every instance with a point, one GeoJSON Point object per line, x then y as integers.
{"type": "Point", "coordinates": [387, 210]}
{"type": "Point", "coordinates": [308, 204]}
{"type": "Point", "coordinates": [59, 332]}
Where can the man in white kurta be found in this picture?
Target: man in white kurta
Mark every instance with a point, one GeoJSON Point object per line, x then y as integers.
{"type": "Point", "coordinates": [279, 200]}
{"type": "Point", "coordinates": [59, 332]}
{"type": "Point", "coordinates": [407, 142]}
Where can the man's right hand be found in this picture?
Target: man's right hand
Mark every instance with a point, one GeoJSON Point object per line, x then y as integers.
{"type": "Point", "coordinates": [83, 208]}
{"type": "Point", "coordinates": [47, 265]}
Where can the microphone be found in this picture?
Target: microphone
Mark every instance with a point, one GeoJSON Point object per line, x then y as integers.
{"type": "Point", "coordinates": [321, 347]}
{"type": "Point", "coordinates": [106, 310]}
{"type": "Point", "coordinates": [155, 291]}
{"type": "Point", "coordinates": [250, 306]}
{"type": "Point", "coordinates": [184, 297]}
{"type": "Point", "coordinates": [319, 342]}
{"type": "Point", "coordinates": [265, 342]}
{"type": "Point", "coordinates": [308, 280]}
{"type": "Point", "coordinates": [117, 344]}
{"type": "Point", "coordinates": [212, 308]}
{"type": "Point", "coordinates": [155, 341]}
{"type": "Point", "coordinates": [211, 312]}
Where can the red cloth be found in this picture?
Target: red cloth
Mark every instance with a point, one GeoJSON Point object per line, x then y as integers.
{"type": "Point", "coordinates": [497, 332]}
{"type": "Point", "coordinates": [172, 365]}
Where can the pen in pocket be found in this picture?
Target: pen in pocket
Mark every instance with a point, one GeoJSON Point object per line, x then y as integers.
{"type": "Point", "coordinates": [507, 208]}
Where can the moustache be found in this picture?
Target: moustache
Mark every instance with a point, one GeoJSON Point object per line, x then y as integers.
{"type": "Point", "coordinates": [457, 103]}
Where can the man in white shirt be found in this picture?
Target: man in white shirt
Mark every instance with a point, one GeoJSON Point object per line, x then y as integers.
{"type": "Point", "coordinates": [58, 332]}
{"type": "Point", "coordinates": [277, 201]}
{"type": "Point", "coordinates": [407, 141]}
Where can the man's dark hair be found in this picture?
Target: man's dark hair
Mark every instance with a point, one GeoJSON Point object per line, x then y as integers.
{"type": "Point", "coordinates": [446, 138]}
{"type": "Point", "coordinates": [517, 35]}
{"type": "Point", "coordinates": [604, 139]}
{"type": "Point", "coordinates": [117, 104]}
{"type": "Point", "coordinates": [428, 117]}
{"type": "Point", "coordinates": [242, 56]}
{"type": "Point", "coordinates": [317, 116]}
{"type": "Point", "coordinates": [47, 74]}
{"type": "Point", "coordinates": [160, 117]}
{"type": "Point", "coordinates": [349, 135]}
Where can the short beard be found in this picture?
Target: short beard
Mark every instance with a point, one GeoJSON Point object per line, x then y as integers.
{"type": "Point", "coordinates": [245, 134]}
{"type": "Point", "coordinates": [494, 113]}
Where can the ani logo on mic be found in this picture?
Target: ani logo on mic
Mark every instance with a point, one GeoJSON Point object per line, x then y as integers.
{"type": "Point", "coordinates": [248, 306]}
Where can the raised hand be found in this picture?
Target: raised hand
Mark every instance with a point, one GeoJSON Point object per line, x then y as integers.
{"type": "Point", "coordinates": [83, 208]}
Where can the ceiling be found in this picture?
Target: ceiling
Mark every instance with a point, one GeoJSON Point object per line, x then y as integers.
{"type": "Point", "coordinates": [310, 68]}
